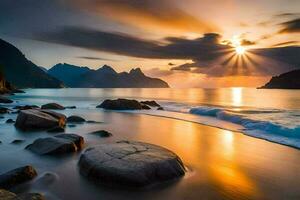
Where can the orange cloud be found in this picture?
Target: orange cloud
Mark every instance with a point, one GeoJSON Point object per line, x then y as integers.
{"type": "Point", "coordinates": [161, 15]}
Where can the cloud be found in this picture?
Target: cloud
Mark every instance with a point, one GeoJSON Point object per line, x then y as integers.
{"type": "Point", "coordinates": [245, 42]}
{"type": "Point", "coordinates": [208, 55]}
{"type": "Point", "coordinates": [150, 14]}
{"type": "Point", "coordinates": [292, 26]}
{"type": "Point", "coordinates": [157, 72]}
{"type": "Point", "coordinates": [287, 14]}
{"type": "Point", "coordinates": [289, 43]}
{"type": "Point", "coordinates": [95, 58]}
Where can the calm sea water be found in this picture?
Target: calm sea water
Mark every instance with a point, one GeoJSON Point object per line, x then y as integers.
{"type": "Point", "coordinates": [269, 114]}
{"type": "Point", "coordinates": [222, 163]}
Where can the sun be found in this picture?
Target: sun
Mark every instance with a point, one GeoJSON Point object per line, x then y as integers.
{"type": "Point", "coordinates": [240, 50]}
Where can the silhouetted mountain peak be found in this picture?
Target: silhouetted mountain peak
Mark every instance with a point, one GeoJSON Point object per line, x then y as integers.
{"type": "Point", "coordinates": [106, 69]}
{"type": "Point", "coordinates": [288, 80]}
{"type": "Point", "coordinates": [136, 71]}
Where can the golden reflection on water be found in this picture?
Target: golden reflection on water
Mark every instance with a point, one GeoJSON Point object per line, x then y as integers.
{"type": "Point", "coordinates": [236, 96]}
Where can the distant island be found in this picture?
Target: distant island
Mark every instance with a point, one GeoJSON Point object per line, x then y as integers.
{"type": "Point", "coordinates": [288, 80]}
{"type": "Point", "coordinates": [22, 73]}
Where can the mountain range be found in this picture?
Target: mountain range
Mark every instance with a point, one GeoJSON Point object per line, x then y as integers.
{"type": "Point", "coordinates": [104, 77]}
{"type": "Point", "coordinates": [22, 73]}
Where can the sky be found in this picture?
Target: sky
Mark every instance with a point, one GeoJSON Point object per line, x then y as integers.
{"type": "Point", "coordinates": [191, 43]}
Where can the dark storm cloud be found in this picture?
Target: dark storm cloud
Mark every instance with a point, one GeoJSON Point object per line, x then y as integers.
{"type": "Point", "coordinates": [206, 52]}
{"type": "Point", "coordinates": [292, 26]}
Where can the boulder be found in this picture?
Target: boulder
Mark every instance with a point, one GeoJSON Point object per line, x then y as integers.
{"type": "Point", "coordinates": [102, 133]}
{"type": "Point", "coordinates": [120, 104]}
{"type": "Point", "coordinates": [151, 103]}
{"type": "Point", "coordinates": [130, 164]}
{"type": "Point", "coordinates": [17, 176]}
{"type": "Point", "coordinates": [75, 119]}
{"type": "Point", "coordinates": [39, 119]}
{"type": "Point", "coordinates": [60, 144]}
{"type": "Point", "coordinates": [5, 100]}
{"type": "Point", "coordinates": [10, 121]}
{"type": "Point", "coordinates": [53, 106]}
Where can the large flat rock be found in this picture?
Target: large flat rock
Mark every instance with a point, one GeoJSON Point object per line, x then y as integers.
{"type": "Point", "coordinates": [39, 119]}
{"type": "Point", "coordinates": [121, 104]}
{"type": "Point", "coordinates": [130, 164]}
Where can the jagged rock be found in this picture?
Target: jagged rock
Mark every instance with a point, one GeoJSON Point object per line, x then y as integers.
{"type": "Point", "coordinates": [53, 106]}
{"type": "Point", "coordinates": [57, 129]}
{"type": "Point", "coordinates": [151, 103]}
{"type": "Point", "coordinates": [121, 104]}
{"type": "Point", "coordinates": [17, 176]}
{"type": "Point", "coordinates": [5, 100]}
{"type": "Point", "coordinates": [130, 164]}
{"type": "Point", "coordinates": [75, 119]}
{"type": "Point", "coordinates": [10, 121]}
{"type": "Point", "coordinates": [60, 144]}
{"type": "Point", "coordinates": [39, 119]}
{"type": "Point", "coordinates": [102, 133]}
{"type": "Point", "coordinates": [17, 141]}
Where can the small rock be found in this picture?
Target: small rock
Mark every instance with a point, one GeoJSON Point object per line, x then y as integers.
{"type": "Point", "coordinates": [160, 108]}
{"type": "Point", "coordinates": [75, 119]}
{"type": "Point", "coordinates": [57, 129]}
{"type": "Point", "coordinates": [71, 125]}
{"type": "Point", "coordinates": [17, 176]}
{"type": "Point", "coordinates": [120, 104]}
{"type": "Point", "coordinates": [10, 121]}
{"type": "Point", "coordinates": [70, 107]}
{"type": "Point", "coordinates": [5, 100]}
{"type": "Point", "coordinates": [130, 164]}
{"type": "Point", "coordinates": [102, 133]}
{"type": "Point", "coordinates": [17, 141]}
{"type": "Point", "coordinates": [39, 119]}
{"type": "Point", "coordinates": [151, 103]}
{"type": "Point", "coordinates": [53, 106]}
{"type": "Point", "coordinates": [60, 144]}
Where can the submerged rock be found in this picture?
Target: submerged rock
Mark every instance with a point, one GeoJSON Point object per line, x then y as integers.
{"type": "Point", "coordinates": [5, 100]}
{"type": "Point", "coordinates": [60, 144]}
{"type": "Point", "coordinates": [102, 133]}
{"type": "Point", "coordinates": [3, 110]}
{"type": "Point", "coordinates": [10, 121]}
{"type": "Point", "coordinates": [57, 129]}
{"type": "Point", "coordinates": [75, 119]}
{"type": "Point", "coordinates": [39, 119]}
{"type": "Point", "coordinates": [151, 103]}
{"type": "Point", "coordinates": [17, 141]}
{"type": "Point", "coordinates": [53, 106]}
{"type": "Point", "coordinates": [121, 104]}
{"type": "Point", "coordinates": [17, 176]}
{"type": "Point", "coordinates": [130, 164]}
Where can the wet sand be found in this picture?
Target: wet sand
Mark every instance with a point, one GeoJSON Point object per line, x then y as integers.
{"type": "Point", "coordinates": [222, 164]}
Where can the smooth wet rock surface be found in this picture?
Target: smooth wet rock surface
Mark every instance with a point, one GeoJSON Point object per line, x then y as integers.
{"type": "Point", "coordinates": [75, 119]}
{"type": "Point", "coordinates": [60, 144]}
{"type": "Point", "coordinates": [17, 176]}
{"type": "Point", "coordinates": [101, 133]}
{"type": "Point", "coordinates": [130, 164]}
{"type": "Point", "coordinates": [53, 106]}
{"type": "Point", "coordinates": [39, 119]}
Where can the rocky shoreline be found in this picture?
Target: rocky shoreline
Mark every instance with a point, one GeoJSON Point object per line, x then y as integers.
{"type": "Point", "coordinates": [123, 164]}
